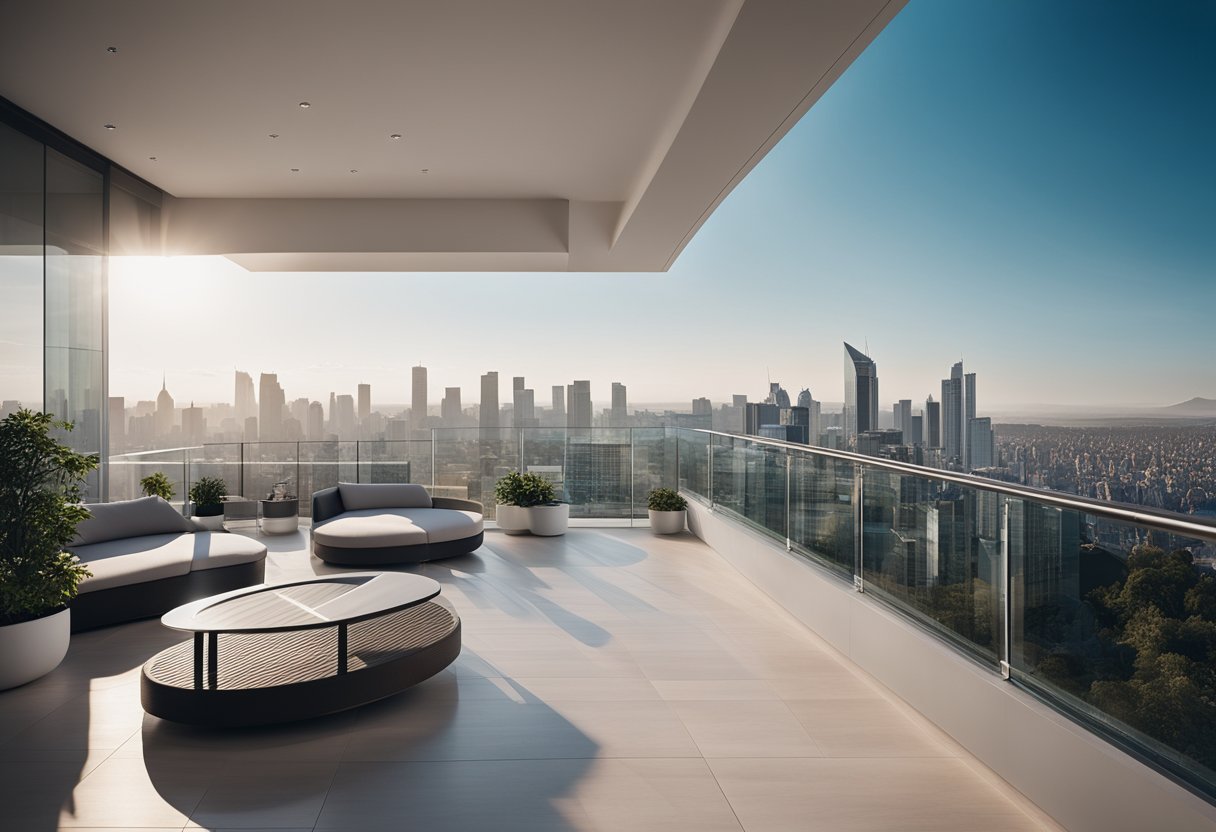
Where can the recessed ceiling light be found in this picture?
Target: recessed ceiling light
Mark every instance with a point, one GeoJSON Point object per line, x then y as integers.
{"type": "Point", "coordinates": [352, 170]}
{"type": "Point", "coordinates": [304, 105]}
{"type": "Point", "coordinates": [295, 170]}
{"type": "Point", "coordinates": [112, 49]}
{"type": "Point", "coordinates": [151, 158]}
{"type": "Point", "coordinates": [395, 137]}
{"type": "Point", "coordinates": [426, 170]}
{"type": "Point", "coordinates": [274, 135]}
{"type": "Point", "coordinates": [110, 126]}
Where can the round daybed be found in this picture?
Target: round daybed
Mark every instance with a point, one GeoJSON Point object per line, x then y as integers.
{"type": "Point", "coordinates": [369, 524]}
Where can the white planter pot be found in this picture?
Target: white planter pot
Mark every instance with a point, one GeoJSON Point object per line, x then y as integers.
{"type": "Point", "coordinates": [549, 521]}
{"type": "Point", "coordinates": [32, 649]}
{"type": "Point", "coordinates": [512, 519]}
{"type": "Point", "coordinates": [667, 522]}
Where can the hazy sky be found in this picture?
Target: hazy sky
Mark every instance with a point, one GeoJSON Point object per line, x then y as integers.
{"type": "Point", "coordinates": [1025, 185]}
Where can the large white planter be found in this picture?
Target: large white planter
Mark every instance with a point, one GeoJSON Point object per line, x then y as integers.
{"type": "Point", "coordinates": [549, 521]}
{"type": "Point", "coordinates": [32, 649]}
{"type": "Point", "coordinates": [667, 522]}
{"type": "Point", "coordinates": [512, 519]}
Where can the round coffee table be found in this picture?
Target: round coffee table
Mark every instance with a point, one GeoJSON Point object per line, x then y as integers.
{"type": "Point", "coordinates": [300, 649]}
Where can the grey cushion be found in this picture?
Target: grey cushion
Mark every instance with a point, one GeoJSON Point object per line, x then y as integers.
{"type": "Point", "coordinates": [135, 560]}
{"type": "Point", "coordinates": [379, 528]}
{"type": "Point", "coordinates": [129, 518]}
{"type": "Point", "coordinates": [358, 496]}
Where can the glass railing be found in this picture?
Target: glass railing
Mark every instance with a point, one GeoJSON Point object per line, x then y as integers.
{"type": "Point", "coordinates": [1105, 611]}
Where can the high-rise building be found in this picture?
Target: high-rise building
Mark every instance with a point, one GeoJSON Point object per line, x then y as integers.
{"type": "Point", "coordinates": [617, 416]}
{"type": "Point", "coordinates": [449, 409]}
{"type": "Point", "coordinates": [316, 422]}
{"type": "Point", "coordinates": [518, 383]}
{"type": "Point", "coordinates": [344, 417]}
{"type": "Point", "coordinates": [916, 435]}
{"type": "Point", "coordinates": [953, 426]}
{"type": "Point", "coordinates": [968, 416]}
{"type": "Point", "coordinates": [814, 414]}
{"type": "Point", "coordinates": [299, 410]}
{"type": "Point", "coordinates": [165, 415]}
{"type": "Point", "coordinates": [933, 423]}
{"type": "Point", "coordinates": [702, 407]}
{"type": "Point", "coordinates": [860, 393]}
{"type": "Point", "coordinates": [118, 421]}
{"type": "Point", "coordinates": [559, 400]}
{"type": "Point", "coordinates": [777, 395]}
{"type": "Point", "coordinates": [981, 445]}
{"type": "Point", "coordinates": [903, 419]}
{"type": "Point", "coordinates": [489, 401]}
{"type": "Point", "coordinates": [365, 404]}
{"type": "Point", "coordinates": [524, 407]}
{"type": "Point", "coordinates": [194, 425]}
{"type": "Point", "coordinates": [578, 405]}
{"type": "Point", "coordinates": [245, 401]}
{"type": "Point", "coordinates": [418, 398]}
{"type": "Point", "coordinates": [270, 408]}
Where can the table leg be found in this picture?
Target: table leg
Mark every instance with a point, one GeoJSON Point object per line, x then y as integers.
{"type": "Point", "coordinates": [198, 661]}
{"type": "Point", "coordinates": [342, 648]}
{"type": "Point", "coordinates": [213, 658]}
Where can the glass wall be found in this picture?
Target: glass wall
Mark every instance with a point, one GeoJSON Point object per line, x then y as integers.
{"type": "Point", "coordinates": [21, 250]}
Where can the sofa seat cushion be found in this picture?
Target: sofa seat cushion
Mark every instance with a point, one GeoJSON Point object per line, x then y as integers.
{"type": "Point", "coordinates": [129, 518]}
{"type": "Point", "coordinates": [360, 496]}
{"type": "Point", "coordinates": [384, 527]}
{"type": "Point", "coordinates": [136, 560]}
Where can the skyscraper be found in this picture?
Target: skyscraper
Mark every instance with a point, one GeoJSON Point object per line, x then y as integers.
{"type": "Point", "coordinates": [903, 419]}
{"type": "Point", "coordinates": [702, 407]}
{"type": "Point", "coordinates": [559, 400]}
{"type": "Point", "coordinates": [523, 403]}
{"type": "Point", "coordinates": [118, 421]}
{"type": "Point", "coordinates": [270, 408]}
{"type": "Point", "coordinates": [777, 395]}
{"type": "Point", "coordinates": [933, 423]}
{"type": "Point", "coordinates": [860, 393]}
{"type": "Point", "coordinates": [194, 426]}
{"type": "Point", "coordinates": [316, 422]}
{"type": "Point", "coordinates": [981, 446]}
{"type": "Point", "coordinates": [418, 398]}
{"type": "Point", "coordinates": [814, 416]}
{"type": "Point", "coordinates": [968, 416]}
{"type": "Point", "coordinates": [578, 405]}
{"type": "Point", "coordinates": [489, 401]}
{"type": "Point", "coordinates": [365, 404]}
{"type": "Point", "coordinates": [344, 417]}
{"type": "Point", "coordinates": [952, 414]}
{"type": "Point", "coordinates": [165, 415]}
{"type": "Point", "coordinates": [245, 402]}
{"type": "Point", "coordinates": [617, 417]}
{"type": "Point", "coordinates": [449, 409]}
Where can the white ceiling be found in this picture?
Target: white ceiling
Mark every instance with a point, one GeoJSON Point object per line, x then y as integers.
{"type": "Point", "coordinates": [576, 100]}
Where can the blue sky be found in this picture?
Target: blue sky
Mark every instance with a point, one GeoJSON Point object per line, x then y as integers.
{"type": "Point", "coordinates": [1026, 185]}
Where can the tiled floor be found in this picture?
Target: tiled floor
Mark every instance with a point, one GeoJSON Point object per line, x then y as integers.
{"type": "Point", "coordinates": [610, 680]}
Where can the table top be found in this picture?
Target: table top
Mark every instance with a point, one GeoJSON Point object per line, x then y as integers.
{"type": "Point", "coordinates": [303, 605]}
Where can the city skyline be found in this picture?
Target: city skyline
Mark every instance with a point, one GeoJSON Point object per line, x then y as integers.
{"type": "Point", "coordinates": [885, 214]}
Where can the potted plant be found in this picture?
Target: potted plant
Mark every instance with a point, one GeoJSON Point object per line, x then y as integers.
{"type": "Point", "coordinates": [511, 495]}
{"type": "Point", "coordinates": [667, 510]}
{"type": "Point", "coordinates": [40, 495]}
{"type": "Point", "coordinates": [208, 497]}
{"type": "Point", "coordinates": [157, 485]}
{"type": "Point", "coordinates": [547, 516]}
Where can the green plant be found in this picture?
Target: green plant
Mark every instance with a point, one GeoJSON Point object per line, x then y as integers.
{"type": "Point", "coordinates": [208, 495]}
{"type": "Point", "coordinates": [665, 499]}
{"type": "Point", "coordinates": [157, 485]}
{"type": "Point", "coordinates": [516, 489]}
{"type": "Point", "coordinates": [40, 495]}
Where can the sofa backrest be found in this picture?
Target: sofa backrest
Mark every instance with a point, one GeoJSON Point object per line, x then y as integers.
{"type": "Point", "coordinates": [129, 518]}
{"type": "Point", "coordinates": [356, 496]}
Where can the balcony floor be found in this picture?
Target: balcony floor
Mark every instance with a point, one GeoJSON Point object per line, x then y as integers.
{"type": "Point", "coordinates": [610, 680]}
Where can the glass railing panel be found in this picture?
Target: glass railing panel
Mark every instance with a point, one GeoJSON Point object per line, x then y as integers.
{"type": "Point", "coordinates": [598, 481]}
{"type": "Point", "coordinates": [126, 470]}
{"type": "Point", "coordinates": [405, 460]}
{"type": "Point", "coordinates": [543, 452]}
{"type": "Point", "coordinates": [468, 462]}
{"type": "Point", "coordinates": [1116, 624]}
{"type": "Point", "coordinates": [324, 464]}
{"type": "Point", "coordinates": [268, 463]}
{"type": "Point", "coordinates": [822, 512]}
{"type": "Point", "coordinates": [219, 460]}
{"type": "Point", "coordinates": [692, 451]}
{"type": "Point", "coordinates": [749, 479]}
{"type": "Point", "coordinates": [933, 549]}
{"type": "Point", "coordinates": [653, 465]}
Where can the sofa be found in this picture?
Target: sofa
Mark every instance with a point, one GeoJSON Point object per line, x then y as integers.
{"type": "Point", "coordinates": [368, 524]}
{"type": "Point", "coordinates": [147, 559]}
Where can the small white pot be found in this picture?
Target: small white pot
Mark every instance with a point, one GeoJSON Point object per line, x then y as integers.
{"type": "Point", "coordinates": [667, 522]}
{"type": "Point", "coordinates": [512, 519]}
{"type": "Point", "coordinates": [549, 521]}
{"type": "Point", "coordinates": [32, 649]}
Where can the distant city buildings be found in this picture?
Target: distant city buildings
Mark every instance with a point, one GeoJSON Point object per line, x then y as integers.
{"type": "Point", "coordinates": [860, 393]}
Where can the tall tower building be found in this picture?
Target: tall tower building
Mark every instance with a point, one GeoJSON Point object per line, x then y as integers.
{"type": "Point", "coordinates": [981, 445]}
{"type": "Point", "coordinates": [489, 401]}
{"type": "Point", "coordinates": [559, 400]}
{"type": "Point", "coordinates": [194, 425]}
{"type": "Point", "coordinates": [270, 408]}
{"type": "Point", "coordinates": [578, 404]}
{"type": "Point", "coordinates": [860, 393]}
{"type": "Point", "coordinates": [903, 419]}
{"type": "Point", "coordinates": [418, 398]}
{"type": "Point", "coordinates": [517, 383]}
{"type": "Point", "coordinates": [617, 418]}
{"type": "Point", "coordinates": [449, 409]}
{"type": "Point", "coordinates": [365, 404]}
{"type": "Point", "coordinates": [344, 417]}
{"type": "Point", "coordinates": [165, 416]}
{"type": "Point", "coordinates": [118, 421]}
{"type": "Point", "coordinates": [315, 429]}
{"type": "Point", "coordinates": [777, 395]}
{"type": "Point", "coordinates": [933, 423]}
{"type": "Point", "coordinates": [523, 403]}
{"type": "Point", "coordinates": [953, 414]}
{"type": "Point", "coordinates": [244, 402]}
{"type": "Point", "coordinates": [968, 417]}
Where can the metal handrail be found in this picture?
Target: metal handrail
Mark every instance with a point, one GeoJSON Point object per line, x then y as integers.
{"type": "Point", "coordinates": [156, 451]}
{"type": "Point", "coordinates": [1121, 512]}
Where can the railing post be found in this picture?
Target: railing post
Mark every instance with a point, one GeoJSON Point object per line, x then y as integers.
{"type": "Point", "coordinates": [1006, 591]}
{"type": "Point", "coordinates": [519, 449]}
{"type": "Point", "coordinates": [789, 545]}
{"type": "Point", "coordinates": [241, 476]}
{"type": "Point", "coordinates": [632, 478]}
{"type": "Point", "coordinates": [434, 478]}
{"type": "Point", "coordinates": [298, 489]}
{"type": "Point", "coordinates": [709, 479]}
{"type": "Point", "coordinates": [357, 471]}
{"type": "Point", "coordinates": [185, 482]}
{"type": "Point", "coordinates": [859, 492]}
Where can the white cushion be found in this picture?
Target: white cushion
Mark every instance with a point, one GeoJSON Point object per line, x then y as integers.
{"type": "Point", "coordinates": [129, 518]}
{"type": "Point", "coordinates": [379, 528]}
{"type": "Point", "coordinates": [358, 496]}
{"type": "Point", "coordinates": [134, 560]}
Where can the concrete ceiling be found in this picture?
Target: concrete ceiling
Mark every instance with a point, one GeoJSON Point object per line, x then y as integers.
{"type": "Point", "coordinates": [546, 134]}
